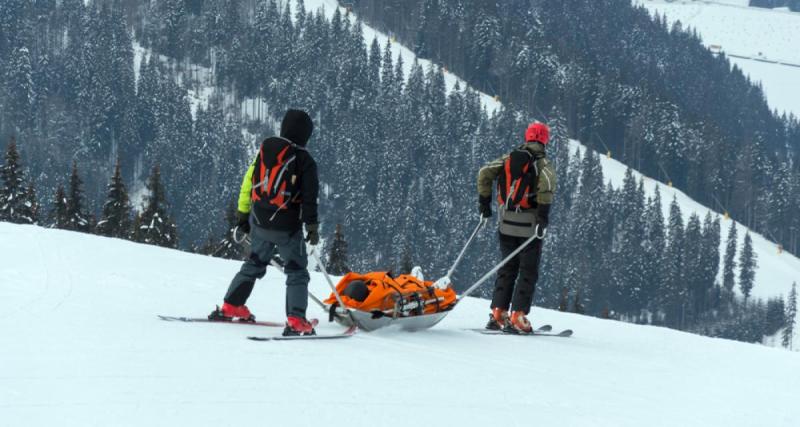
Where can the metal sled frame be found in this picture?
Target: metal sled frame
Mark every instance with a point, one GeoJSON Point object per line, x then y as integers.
{"type": "Point", "coordinates": [365, 321]}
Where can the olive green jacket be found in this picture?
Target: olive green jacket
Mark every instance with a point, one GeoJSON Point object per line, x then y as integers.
{"type": "Point", "coordinates": [547, 176]}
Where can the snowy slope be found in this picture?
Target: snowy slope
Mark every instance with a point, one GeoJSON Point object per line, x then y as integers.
{"type": "Point", "coordinates": [762, 42]}
{"type": "Point", "coordinates": [82, 347]}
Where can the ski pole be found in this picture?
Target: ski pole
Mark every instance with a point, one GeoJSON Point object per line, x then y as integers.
{"type": "Point", "coordinates": [445, 281]}
{"type": "Point", "coordinates": [504, 261]}
{"type": "Point", "coordinates": [330, 283]}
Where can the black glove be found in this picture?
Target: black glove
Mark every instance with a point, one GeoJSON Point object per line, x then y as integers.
{"type": "Point", "coordinates": [244, 222]}
{"type": "Point", "coordinates": [542, 216]}
{"type": "Point", "coordinates": [312, 234]}
{"type": "Point", "coordinates": [485, 206]}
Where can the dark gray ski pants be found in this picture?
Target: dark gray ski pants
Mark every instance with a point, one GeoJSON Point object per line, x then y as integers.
{"type": "Point", "coordinates": [292, 249]}
{"type": "Point", "coordinates": [516, 281]}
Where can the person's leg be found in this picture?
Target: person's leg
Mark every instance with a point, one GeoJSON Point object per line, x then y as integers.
{"type": "Point", "coordinates": [528, 276]}
{"type": "Point", "coordinates": [253, 268]}
{"type": "Point", "coordinates": [507, 275]}
{"type": "Point", "coordinates": [292, 249]}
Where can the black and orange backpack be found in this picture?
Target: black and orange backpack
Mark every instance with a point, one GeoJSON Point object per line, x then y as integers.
{"type": "Point", "coordinates": [275, 176]}
{"type": "Point", "coordinates": [516, 185]}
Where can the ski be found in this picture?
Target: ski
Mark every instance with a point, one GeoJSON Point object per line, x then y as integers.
{"type": "Point", "coordinates": [543, 328]}
{"type": "Point", "coordinates": [206, 320]}
{"type": "Point", "coordinates": [346, 334]}
{"type": "Point", "coordinates": [543, 331]}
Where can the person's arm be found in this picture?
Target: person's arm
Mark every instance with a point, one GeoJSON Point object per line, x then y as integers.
{"type": "Point", "coordinates": [244, 191]}
{"type": "Point", "coordinates": [486, 176]}
{"type": "Point", "coordinates": [309, 191]}
{"type": "Point", "coordinates": [544, 194]}
{"type": "Point", "coordinates": [547, 183]}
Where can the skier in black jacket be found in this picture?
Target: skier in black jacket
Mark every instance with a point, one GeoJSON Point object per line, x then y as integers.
{"type": "Point", "coordinates": [278, 195]}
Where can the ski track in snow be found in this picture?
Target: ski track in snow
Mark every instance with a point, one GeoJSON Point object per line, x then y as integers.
{"type": "Point", "coordinates": [103, 358]}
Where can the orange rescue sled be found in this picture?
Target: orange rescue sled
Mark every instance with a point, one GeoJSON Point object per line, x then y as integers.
{"type": "Point", "coordinates": [377, 300]}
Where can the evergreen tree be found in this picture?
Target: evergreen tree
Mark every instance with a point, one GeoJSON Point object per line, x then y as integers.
{"type": "Point", "coordinates": [227, 247]}
{"type": "Point", "coordinates": [747, 267]}
{"type": "Point", "coordinates": [791, 314]}
{"type": "Point", "coordinates": [406, 263]}
{"type": "Point", "coordinates": [337, 253]}
{"type": "Point", "coordinates": [13, 197]}
{"type": "Point", "coordinates": [58, 214]}
{"type": "Point", "coordinates": [776, 315]}
{"type": "Point", "coordinates": [30, 209]}
{"type": "Point", "coordinates": [674, 291]}
{"type": "Point", "coordinates": [116, 219]}
{"type": "Point", "coordinates": [154, 225]}
{"type": "Point", "coordinates": [729, 263]}
{"type": "Point", "coordinates": [77, 218]}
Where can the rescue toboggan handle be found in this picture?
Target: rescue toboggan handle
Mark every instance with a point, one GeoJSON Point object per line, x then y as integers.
{"type": "Point", "coordinates": [486, 276]}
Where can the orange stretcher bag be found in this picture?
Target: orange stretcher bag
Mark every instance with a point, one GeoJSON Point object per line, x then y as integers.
{"type": "Point", "coordinates": [383, 295]}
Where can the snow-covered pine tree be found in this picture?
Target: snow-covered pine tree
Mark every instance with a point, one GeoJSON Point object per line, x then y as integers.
{"type": "Point", "coordinates": [13, 198]}
{"type": "Point", "coordinates": [20, 89]}
{"type": "Point", "coordinates": [30, 208]}
{"type": "Point", "coordinates": [654, 246]}
{"type": "Point", "coordinates": [58, 214]}
{"type": "Point", "coordinates": [154, 225]}
{"type": "Point", "coordinates": [226, 247]}
{"type": "Point", "coordinates": [337, 253]}
{"type": "Point", "coordinates": [693, 269]}
{"type": "Point", "coordinates": [791, 314]}
{"type": "Point", "coordinates": [747, 264]}
{"type": "Point", "coordinates": [116, 219]}
{"type": "Point", "coordinates": [77, 218]}
{"type": "Point", "coordinates": [776, 315]}
{"type": "Point", "coordinates": [673, 292]}
{"type": "Point", "coordinates": [729, 263]}
{"type": "Point", "coordinates": [710, 264]}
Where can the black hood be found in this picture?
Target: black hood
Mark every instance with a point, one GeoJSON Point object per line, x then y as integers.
{"type": "Point", "coordinates": [297, 127]}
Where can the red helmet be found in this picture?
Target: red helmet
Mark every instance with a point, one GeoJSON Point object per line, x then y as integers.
{"type": "Point", "coordinates": [538, 132]}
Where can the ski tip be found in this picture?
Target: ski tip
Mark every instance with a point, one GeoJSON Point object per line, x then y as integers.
{"type": "Point", "coordinates": [565, 333]}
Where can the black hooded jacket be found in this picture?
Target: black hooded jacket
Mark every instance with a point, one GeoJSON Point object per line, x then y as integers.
{"type": "Point", "coordinates": [296, 127]}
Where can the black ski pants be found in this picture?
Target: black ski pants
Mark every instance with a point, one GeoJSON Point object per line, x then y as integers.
{"type": "Point", "coordinates": [516, 281]}
{"type": "Point", "coordinates": [292, 249]}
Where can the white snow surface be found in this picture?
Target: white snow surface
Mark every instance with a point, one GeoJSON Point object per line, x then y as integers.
{"type": "Point", "coordinates": [82, 347]}
{"type": "Point", "coordinates": [749, 36]}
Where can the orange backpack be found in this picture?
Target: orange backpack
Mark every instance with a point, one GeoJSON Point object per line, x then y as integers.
{"type": "Point", "coordinates": [400, 296]}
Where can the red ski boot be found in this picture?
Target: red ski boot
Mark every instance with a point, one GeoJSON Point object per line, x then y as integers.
{"type": "Point", "coordinates": [298, 326]}
{"type": "Point", "coordinates": [497, 320]}
{"type": "Point", "coordinates": [518, 324]}
{"type": "Point", "coordinates": [231, 312]}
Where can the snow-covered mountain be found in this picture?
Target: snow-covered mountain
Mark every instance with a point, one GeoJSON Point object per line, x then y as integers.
{"type": "Point", "coordinates": [762, 42]}
{"type": "Point", "coordinates": [777, 270]}
{"type": "Point", "coordinates": [82, 347]}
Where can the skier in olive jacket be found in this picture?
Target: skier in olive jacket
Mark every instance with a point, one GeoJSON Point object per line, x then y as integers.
{"type": "Point", "coordinates": [525, 185]}
{"type": "Point", "coordinates": [278, 195]}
